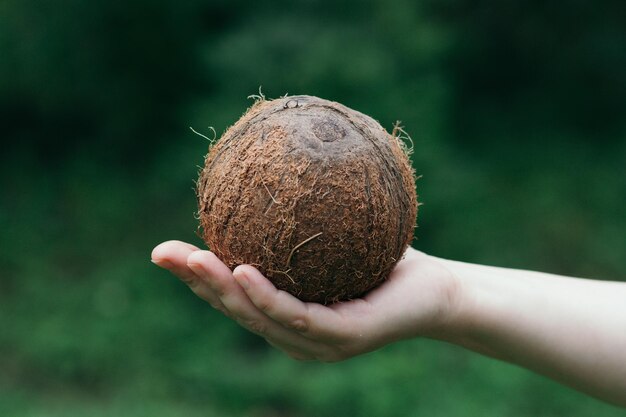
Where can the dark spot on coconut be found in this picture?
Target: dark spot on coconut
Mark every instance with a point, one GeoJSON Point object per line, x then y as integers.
{"type": "Point", "coordinates": [327, 130]}
{"type": "Point", "coordinates": [325, 223]}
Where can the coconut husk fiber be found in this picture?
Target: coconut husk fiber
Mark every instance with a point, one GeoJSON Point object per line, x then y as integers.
{"type": "Point", "coordinates": [317, 196]}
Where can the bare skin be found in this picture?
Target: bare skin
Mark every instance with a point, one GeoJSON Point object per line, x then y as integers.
{"type": "Point", "coordinates": [569, 329]}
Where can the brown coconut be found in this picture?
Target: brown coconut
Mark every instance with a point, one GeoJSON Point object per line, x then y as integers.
{"type": "Point", "coordinates": [317, 196]}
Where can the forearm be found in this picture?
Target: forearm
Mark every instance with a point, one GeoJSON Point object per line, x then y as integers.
{"type": "Point", "coordinates": [572, 330]}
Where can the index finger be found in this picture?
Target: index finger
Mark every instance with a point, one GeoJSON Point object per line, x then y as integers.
{"type": "Point", "coordinates": [172, 255]}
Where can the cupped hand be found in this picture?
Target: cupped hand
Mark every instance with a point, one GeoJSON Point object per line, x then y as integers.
{"type": "Point", "coordinates": [416, 300]}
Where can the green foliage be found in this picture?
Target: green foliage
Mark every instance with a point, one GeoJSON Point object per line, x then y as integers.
{"type": "Point", "coordinates": [516, 112]}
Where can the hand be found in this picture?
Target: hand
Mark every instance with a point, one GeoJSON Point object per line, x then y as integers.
{"type": "Point", "coordinates": [416, 300]}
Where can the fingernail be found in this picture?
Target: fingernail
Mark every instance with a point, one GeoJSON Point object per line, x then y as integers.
{"type": "Point", "coordinates": [162, 263]}
{"type": "Point", "coordinates": [242, 279]}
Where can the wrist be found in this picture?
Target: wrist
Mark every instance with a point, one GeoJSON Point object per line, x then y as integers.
{"type": "Point", "coordinates": [448, 326]}
{"type": "Point", "coordinates": [480, 302]}
{"type": "Point", "coordinates": [442, 318]}
{"type": "Point", "coordinates": [459, 310]}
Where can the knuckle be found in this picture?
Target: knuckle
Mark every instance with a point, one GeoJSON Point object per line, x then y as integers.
{"type": "Point", "coordinates": [299, 325]}
{"type": "Point", "coordinates": [256, 326]}
{"type": "Point", "coordinates": [219, 291]}
{"type": "Point", "coordinates": [264, 304]}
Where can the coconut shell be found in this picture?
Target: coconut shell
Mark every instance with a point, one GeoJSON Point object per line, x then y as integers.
{"type": "Point", "coordinates": [317, 196]}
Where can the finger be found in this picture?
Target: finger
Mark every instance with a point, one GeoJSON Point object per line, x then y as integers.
{"type": "Point", "coordinates": [211, 269]}
{"type": "Point", "coordinates": [311, 320]}
{"type": "Point", "coordinates": [174, 243]}
{"type": "Point", "coordinates": [173, 256]}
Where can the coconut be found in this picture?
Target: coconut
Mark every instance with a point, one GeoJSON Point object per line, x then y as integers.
{"type": "Point", "coordinates": [317, 196]}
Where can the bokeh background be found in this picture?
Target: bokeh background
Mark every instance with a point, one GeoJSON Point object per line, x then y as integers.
{"type": "Point", "coordinates": [517, 111]}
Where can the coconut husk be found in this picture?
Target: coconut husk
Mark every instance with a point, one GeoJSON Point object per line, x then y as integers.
{"type": "Point", "coordinates": [319, 197]}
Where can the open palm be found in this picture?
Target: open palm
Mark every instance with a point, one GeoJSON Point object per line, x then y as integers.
{"type": "Point", "coordinates": [415, 300]}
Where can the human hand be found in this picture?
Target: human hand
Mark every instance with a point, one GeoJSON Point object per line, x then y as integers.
{"type": "Point", "coordinates": [416, 300]}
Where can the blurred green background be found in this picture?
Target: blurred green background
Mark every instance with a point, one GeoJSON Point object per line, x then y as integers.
{"type": "Point", "coordinates": [517, 110]}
